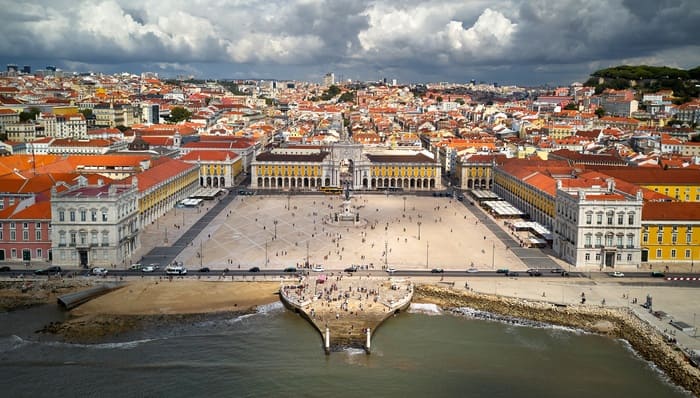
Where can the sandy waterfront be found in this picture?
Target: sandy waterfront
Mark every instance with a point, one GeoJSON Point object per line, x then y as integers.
{"type": "Point", "coordinates": [163, 297]}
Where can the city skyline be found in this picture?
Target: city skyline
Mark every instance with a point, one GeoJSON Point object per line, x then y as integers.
{"type": "Point", "coordinates": [510, 42]}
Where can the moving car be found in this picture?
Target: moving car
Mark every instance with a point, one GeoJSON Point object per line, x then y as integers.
{"type": "Point", "coordinates": [204, 269]}
{"type": "Point", "coordinates": [136, 266]}
{"type": "Point", "coordinates": [437, 270]}
{"type": "Point", "coordinates": [617, 274]}
{"type": "Point", "coordinates": [175, 270]}
{"type": "Point", "coordinates": [534, 272]}
{"type": "Point", "coordinates": [99, 271]}
{"type": "Point", "coordinates": [290, 269]}
{"type": "Point", "coordinates": [391, 270]}
{"type": "Point", "coordinates": [48, 271]}
{"type": "Point", "coordinates": [254, 269]}
{"type": "Point", "coordinates": [317, 268]}
{"type": "Point", "coordinates": [657, 274]}
{"type": "Point", "coordinates": [512, 274]}
{"type": "Point", "coordinates": [353, 268]}
{"type": "Point", "coordinates": [5, 269]}
{"type": "Point", "coordinates": [148, 268]}
{"type": "Point", "coordinates": [556, 270]}
{"type": "Point", "coordinates": [502, 271]}
{"type": "Point", "coordinates": [473, 270]}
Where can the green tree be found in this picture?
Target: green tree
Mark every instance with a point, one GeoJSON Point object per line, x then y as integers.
{"type": "Point", "coordinates": [571, 106]}
{"type": "Point", "coordinates": [331, 92]}
{"type": "Point", "coordinates": [438, 99]}
{"type": "Point", "coordinates": [179, 114]}
{"type": "Point", "coordinates": [348, 96]}
{"type": "Point", "coordinates": [122, 128]}
{"type": "Point", "coordinates": [87, 112]}
{"type": "Point", "coordinates": [600, 112]}
{"type": "Point", "coordinates": [459, 101]}
{"type": "Point", "coordinates": [29, 114]}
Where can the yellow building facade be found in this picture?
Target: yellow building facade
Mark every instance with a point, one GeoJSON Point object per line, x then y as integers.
{"type": "Point", "coordinates": [670, 233]}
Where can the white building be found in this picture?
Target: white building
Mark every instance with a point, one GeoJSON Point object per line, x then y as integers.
{"type": "Point", "coordinates": [597, 226]}
{"type": "Point", "coordinates": [94, 225]}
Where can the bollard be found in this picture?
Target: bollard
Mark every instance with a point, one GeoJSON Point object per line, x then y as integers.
{"type": "Point", "coordinates": [369, 337]}
{"type": "Point", "coordinates": [328, 341]}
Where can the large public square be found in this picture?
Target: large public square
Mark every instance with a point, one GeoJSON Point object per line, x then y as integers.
{"type": "Point", "coordinates": [397, 231]}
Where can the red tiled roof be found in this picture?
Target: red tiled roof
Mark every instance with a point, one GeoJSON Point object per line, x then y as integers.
{"type": "Point", "coordinates": [671, 211]}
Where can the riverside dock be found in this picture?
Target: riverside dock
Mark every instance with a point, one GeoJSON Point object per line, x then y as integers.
{"type": "Point", "coordinates": [346, 310]}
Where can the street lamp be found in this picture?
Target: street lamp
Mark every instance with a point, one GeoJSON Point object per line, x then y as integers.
{"type": "Point", "coordinates": [419, 224]}
{"type": "Point", "coordinates": [386, 254]}
{"type": "Point", "coordinates": [275, 222]}
{"type": "Point", "coordinates": [404, 204]}
{"type": "Point", "coordinates": [307, 253]}
{"type": "Point", "coordinates": [266, 260]}
{"type": "Point", "coordinates": [427, 247]}
{"type": "Point", "coordinates": [493, 254]}
{"type": "Point", "coordinates": [695, 326]}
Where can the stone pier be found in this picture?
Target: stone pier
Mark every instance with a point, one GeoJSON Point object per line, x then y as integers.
{"type": "Point", "coordinates": [345, 307]}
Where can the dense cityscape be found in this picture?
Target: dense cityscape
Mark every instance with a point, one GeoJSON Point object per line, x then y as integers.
{"type": "Point", "coordinates": [608, 178]}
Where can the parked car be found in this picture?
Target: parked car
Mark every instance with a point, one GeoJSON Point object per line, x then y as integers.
{"type": "Point", "coordinates": [148, 268]}
{"type": "Point", "coordinates": [5, 269]}
{"type": "Point", "coordinates": [556, 270]}
{"type": "Point", "coordinates": [353, 268]}
{"type": "Point", "coordinates": [204, 269]}
{"type": "Point", "coordinates": [657, 274]}
{"type": "Point", "coordinates": [513, 274]}
{"type": "Point", "coordinates": [136, 266]}
{"type": "Point", "coordinates": [437, 270]}
{"type": "Point", "coordinates": [290, 269]}
{"type": "Point", "coordinates": [617, 274]}
{"type": "Point", "coordinates": [473, 270]}
{"type": "Point", "coordinates": [155, 266]}
{"type": "Point", "coordinates": [317, 268]}
{"type": "Point", "coordinates": [534, 272]}
{"type": "Point", "coordinates": [99, 271]}
{"type": "Point", "coordinates": [254, 269]}
{"type": "Point", "coordinates": [502, 271]}
{"type": "Point", "coordinates": [48, 271]}
{"type": "Point", "coordinates": [391, 270]}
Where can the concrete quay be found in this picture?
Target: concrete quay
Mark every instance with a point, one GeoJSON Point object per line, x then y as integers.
{"type": "Point", "coordinates": [346, 310]}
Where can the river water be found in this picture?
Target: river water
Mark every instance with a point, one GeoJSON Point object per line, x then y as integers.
{"type": "Point", "coordinates": [276, 353]}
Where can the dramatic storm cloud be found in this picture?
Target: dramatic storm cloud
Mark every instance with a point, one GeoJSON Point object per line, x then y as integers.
{"type": "Point", "coordinates": [516, 41]}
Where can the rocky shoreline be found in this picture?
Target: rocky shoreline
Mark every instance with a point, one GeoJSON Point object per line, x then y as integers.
{"type": "Point", "coordinates": [23, 293]}
{"type": "Point", "coordinates": [616, 323]}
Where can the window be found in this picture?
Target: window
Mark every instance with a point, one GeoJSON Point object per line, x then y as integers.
{"type": "Point", "coordinates": [25, 225]}
{"type": "Point", "coordinates": [598, 239]}
{"type": "Point", "coordinates": [72, 238]}
{"type": "Point", "coordinates": [39, 253]}
{"type": "Point", "coordinates": [25, 235]}
{"type": "Point", "coordinates": [673, 253]}
{"type": "Point", "coordinates": [610, 217]}
{"type": "Point", "coordinates": [687, 253]}
{"type": "Point", "coordinates": [589, 218]}
{"type": "Point", "coordinates": [104, 215]}
{"type": "Point", "coordinates": [14, 253]}
{"type": "Point", "coordinates": [674, 238]}
{"type": "Point", "coordinates": [630, 240]}
{"type": "Point", "coordinates": [588, 256]}
{"type": "Point", "coordinates": [599, 219]}
{"type": "Point", "coordinates": [597, 257]}
{"type": "Point", "coordinates": [12, 225]}
{"type": "Point", "coordinates": [37, 225]}
{"type": "Point", "coordinates": [620, 218]}
{"type": "Point", "coordinates": [94, 238]}
{"type": "Point", "coordinates": [83, 238]}
{"type": "Point", "coordinates": [588, 240]}
{"type": "Point", "coordinates": [629, 257]}
{"type": "Point", "coordinates": [619, 257]}
{"type": "Point", "coordinates": [105, 239]}
{"type": "Point", "coordinates": [61, 215]}
{"type": "Point", "coordinates": [619, 240]}
{"type": "Point", "coordinates": [93, 215]}
{"type": "Point", "coordinates": [13, 235]}
{"type": "Point", "coordinates": [659, 238]}
{"type": "Point", "coordinates": [688, 237]}
{"type": "Point", "coordinates": [72, 215]}
{"type": "Point", "coordinates": [62, 239]}
{"type": "Point", "coordinates": [609, 240]}
{"type": "Point", "coordinates": [630, 218]}
{"type": "Point", "coordinates": [83, 215]}
{"type": "Point", "coordinates": [658, 253]}
{"type": "Point", "coordinates": [37, 234]}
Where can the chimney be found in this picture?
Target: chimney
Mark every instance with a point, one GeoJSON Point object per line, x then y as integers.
{"type": "Point", "coordinates": [100, 182]}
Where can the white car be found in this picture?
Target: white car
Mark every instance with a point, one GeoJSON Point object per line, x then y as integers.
{"type": "Point", "coordinates": [473, 270]}
{"type": "Point", "coordinates": [148, 268]}
{"type": "Point", "coordinates": [617, 274]}
{"type": "Point", "coordinates": [391, 270]}
{"type": "Point", "coordinates": [99, 271]}
{"type": "Point", "coordinates": [317, 268]}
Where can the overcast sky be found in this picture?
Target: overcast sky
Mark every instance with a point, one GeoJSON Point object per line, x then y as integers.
{"type": "Point", "coordinates": [511, 42]}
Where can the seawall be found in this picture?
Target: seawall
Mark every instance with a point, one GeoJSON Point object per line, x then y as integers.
{"type": "Point", "coordinates": [614, 322]}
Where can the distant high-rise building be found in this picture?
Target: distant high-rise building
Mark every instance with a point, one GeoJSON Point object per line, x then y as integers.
{"type": "Point", "coordinates": [12, 68]}
{"type": "Point", "coordinates": [329, 79]}
{"type": "Point", "coordinates": [27, 69]}
{"type": "Point", "coordinates": [51, 68]}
